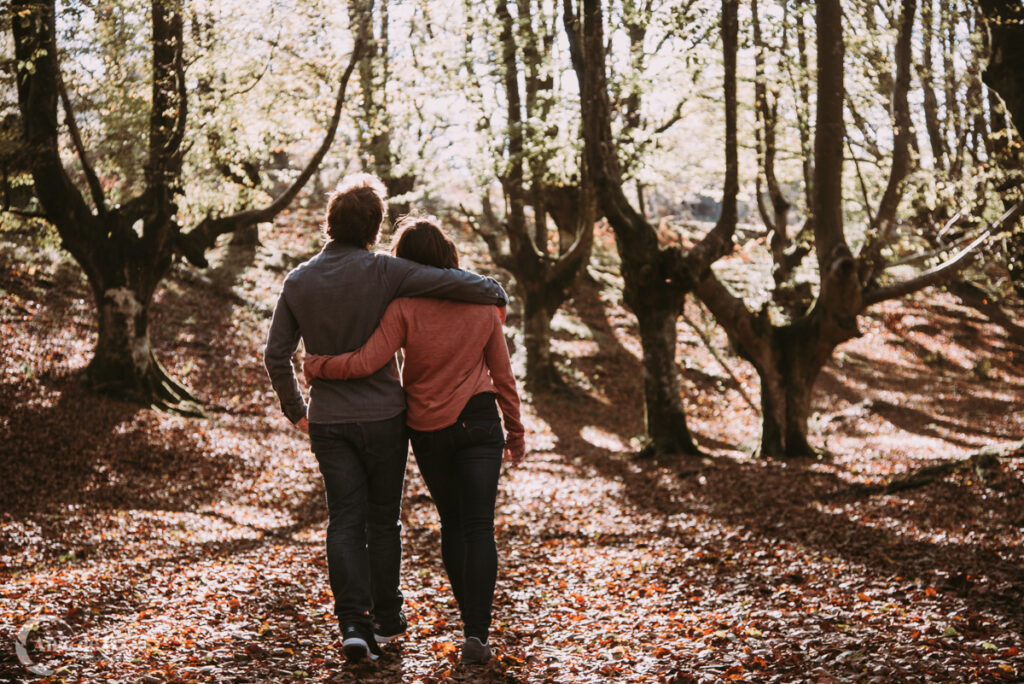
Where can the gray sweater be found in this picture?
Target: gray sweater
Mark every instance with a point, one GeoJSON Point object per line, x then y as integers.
{"type": "Point", "coordinates": [333, 302]}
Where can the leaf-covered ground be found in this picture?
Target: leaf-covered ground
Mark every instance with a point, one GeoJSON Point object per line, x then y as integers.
{"type": "Point", "coordinates": [149, 547]}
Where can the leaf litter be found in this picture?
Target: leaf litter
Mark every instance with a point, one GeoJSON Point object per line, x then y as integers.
{"type": "Point", "coordinates": [180, 550]}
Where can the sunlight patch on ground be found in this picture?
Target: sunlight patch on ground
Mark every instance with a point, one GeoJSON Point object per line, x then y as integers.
{"type": "Point", "coordinates": [602, 438]}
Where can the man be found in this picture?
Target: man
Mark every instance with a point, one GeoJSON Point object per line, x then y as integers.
{"type": "Point", "coordinates": [333, 302]}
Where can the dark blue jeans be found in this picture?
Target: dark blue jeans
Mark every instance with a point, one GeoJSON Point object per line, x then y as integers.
{"type": "Point", "coordinates": [460, 465]}
{"type": "Point", "coordinates": [363, 466]}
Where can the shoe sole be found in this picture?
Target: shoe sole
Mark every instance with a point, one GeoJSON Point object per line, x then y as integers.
{"type": "Point", "coordinates": [355, 649]}
{"type": "Point", "coordinates": [387, 639]}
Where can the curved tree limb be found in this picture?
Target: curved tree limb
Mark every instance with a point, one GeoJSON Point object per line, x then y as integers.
{"type": "Point", "coordinates": [947, 270]}
{"type": "Point", "coordinates": [718, 242]}
{"type": "Point", "coordinates": [76, 138]}
{"type": "Point", "coordinates": [38, 92]}
{"type": "Point", "coordinates": [922, 257]}
{"type": "Point", "coordinates": [490, 234]}
{"type": "Point", "coordinates": [884, 221]}
{"type": "Point", "coordinates": [721, 362]}
{"type": "Point", "coordinates": [744, 327]}
{"type": "Point", "coordinates": [201, 238]}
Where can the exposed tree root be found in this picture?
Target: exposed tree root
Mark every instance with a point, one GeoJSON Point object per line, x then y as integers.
{"type": "Point", "coordinates": [154, 389]}
{"type": "Point", "coordinates": [982, 462]}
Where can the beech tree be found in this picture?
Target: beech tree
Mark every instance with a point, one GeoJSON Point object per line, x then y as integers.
{"type": "Point", "coordinates": [126, 249]}
{"type": "Point", "coordinates": [789, 355]}
{"type": "Point", "coordinates": [656, 278]}
{"type": "Point", "coordinates": [1004, 72]}
{"type": "Point", "coordinates": [545, 266]}
{"type": "Point", "coordinates": [374, 124]}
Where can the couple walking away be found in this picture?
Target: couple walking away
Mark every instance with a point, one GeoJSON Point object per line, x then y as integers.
{"type": "Point", "coordinates": [353, 309]}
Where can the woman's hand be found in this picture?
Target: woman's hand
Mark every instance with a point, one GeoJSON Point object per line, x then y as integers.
{"type": "Point", "coordinates": [312, 366]}
{"type": "Point", "coordinates": [515, 453]}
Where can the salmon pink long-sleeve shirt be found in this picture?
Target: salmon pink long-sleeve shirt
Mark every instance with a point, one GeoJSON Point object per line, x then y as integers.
{"type": "Point", "coordinates": [453, 350]}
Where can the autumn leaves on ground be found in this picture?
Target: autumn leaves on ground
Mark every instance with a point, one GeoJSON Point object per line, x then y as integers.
{"type": "Point", "coordinates": [150, 547]}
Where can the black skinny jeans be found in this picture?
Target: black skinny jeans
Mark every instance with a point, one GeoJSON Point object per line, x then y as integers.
{"type": "Point", "coordinates": [460, 465]}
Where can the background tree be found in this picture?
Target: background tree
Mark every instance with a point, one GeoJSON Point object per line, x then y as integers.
{"type": "Point", "coordinates": [375, 124]}
{"type": "Point", "coordinates": [545, 266]}
{"type": "Point", "coordinates": [125, 249]}
{"type": "Point", "coordinates": [656, 278]}
{"type": "Point", "coordinates": [1004, 74]}
{"type": "Point", "coordinates": [789, 354]}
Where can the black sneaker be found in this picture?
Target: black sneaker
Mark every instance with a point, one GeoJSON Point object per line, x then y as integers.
{"type": "Point", "coordinates": [388, 630]}
{"type": "Point", "coordinates": [357, 642]}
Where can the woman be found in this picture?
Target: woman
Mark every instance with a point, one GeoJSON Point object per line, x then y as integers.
{"type": "Point", "coordinates": [456, 363]}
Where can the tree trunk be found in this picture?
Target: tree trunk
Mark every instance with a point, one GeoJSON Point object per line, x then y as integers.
{"type": "Point", "coordinates": [663, 407]}
{"type": "Point", "coordinates": [124, 268]}
{"type": "Point", "coordinates": [803, 110]}
{"type": "Point", "coordinates": [798, 355]}
{"type": "Point", "coordinates": [931, 102]}
{"type": "Point", "coordinates": [656, 279]}
{"type": "Point", "coordinates": [123, 363]}
{"type": "Point", "coordinates": [1004, 72]}
{"type": "Point", "coordinates": [246, 236]}
{"type": "Point", "coordinates": [766, 114]}
{"type": "Point", "coordinates": [537, 313]}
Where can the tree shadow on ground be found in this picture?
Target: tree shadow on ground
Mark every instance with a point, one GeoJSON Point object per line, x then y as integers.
{"type": "Point", "coordinates": [607, 385]}
{"type": "Point", "coordinates": [783, 501]}
{"type": "Point", "coordinates": [195, 328]}
{"type": "Point", "coordinates": [1001, 348]}
{"type": "Point", "coordinates": [937, 407]}
{"type": "Point", "coordinates": [66, 448]}
{"type": "Point", "coordinates": [75, 448]}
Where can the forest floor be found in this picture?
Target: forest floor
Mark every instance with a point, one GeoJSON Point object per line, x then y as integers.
{"type": "Point", "coordinates": [149, 547]}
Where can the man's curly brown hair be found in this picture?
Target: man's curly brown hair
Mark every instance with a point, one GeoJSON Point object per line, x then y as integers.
{"type": "Point", "coordinates": [355, 210]}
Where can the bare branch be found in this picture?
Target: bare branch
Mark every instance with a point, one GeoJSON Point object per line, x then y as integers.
{"type": "Point", "coordinates": [947, 270]}
{"type": "Point", "coordinates": [677, 114]}
{"type": "Point", "coordinates": [922, 257]}
{"type": "Point", "coordinates": [885, 219]}
{"type": "Point", "coordinates": [860, 180]}
{"type": "Point", "coordinates": [950, 224]}
{"type": "Point", "coordinates": [719, 240]}
{"type": "Point", "coordinates": [76, 138]}
{"type": "Point", "coordinates": [568, 263]}
{"type": "Point", "coordinates": [195, 243]}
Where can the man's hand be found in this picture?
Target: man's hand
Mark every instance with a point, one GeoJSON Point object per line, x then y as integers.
{"type": "Point", "coordinates": [303, 425]}
{"type": "Point", "coordinates": [515, 454]}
